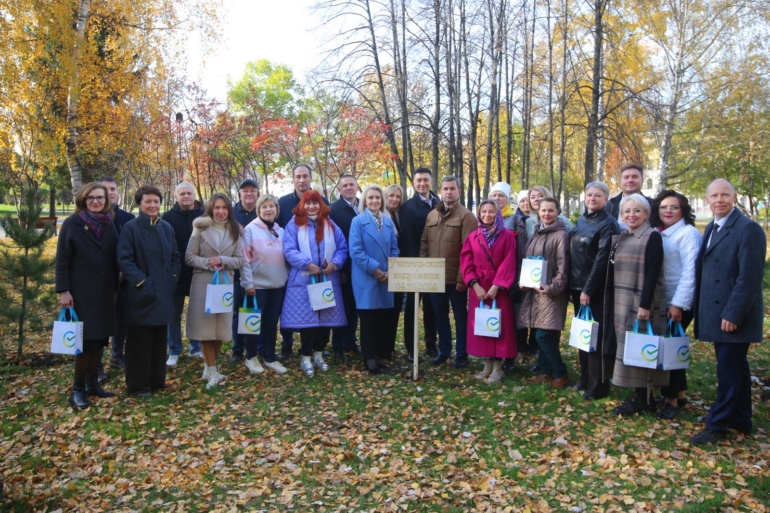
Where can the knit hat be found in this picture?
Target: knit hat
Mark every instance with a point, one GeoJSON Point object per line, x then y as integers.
{"type": "Point", "coordinates": [522, 195]}
{"type": "Point", "coordinates": [502, 187]}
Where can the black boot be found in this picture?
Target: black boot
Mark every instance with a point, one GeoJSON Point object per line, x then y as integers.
{"type": "Point", "coordinates": [93, 387]}
{"type": "Point", "coordinates": [78, 398]}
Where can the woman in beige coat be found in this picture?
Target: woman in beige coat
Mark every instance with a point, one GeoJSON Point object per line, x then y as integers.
{"type": "Point", "coordinates": [214, 246]}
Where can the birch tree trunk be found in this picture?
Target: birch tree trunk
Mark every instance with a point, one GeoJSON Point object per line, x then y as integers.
{"type": "Point", "coordinates": [73, 99]}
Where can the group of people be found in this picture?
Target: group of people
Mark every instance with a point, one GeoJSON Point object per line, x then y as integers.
{"type": "Point", "coordinates": [629, 258]}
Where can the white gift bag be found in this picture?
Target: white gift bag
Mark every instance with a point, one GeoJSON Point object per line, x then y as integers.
{"type": "Point", "coordinates": [534, 272]}
{"type": "Point", "coordinates": [584, 332]}
{"type": "Point", "coordinates": [321, 294]}
{"type": "Point", "coordinates": [67, 337]}
{"type": "Point", "coordinates": [249, 319]}
{"type": "Point", "coordinates": [641, 350]}
{"type": "Point", "coordinates": [674, 352]}
{"type": "Point", "coordinates": [487, 321]}
{"type": "Point", "coordinates": [219, 296]}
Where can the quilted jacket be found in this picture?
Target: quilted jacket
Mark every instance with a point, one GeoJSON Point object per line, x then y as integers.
{"type": "Point", "coordinates": [297, 312]}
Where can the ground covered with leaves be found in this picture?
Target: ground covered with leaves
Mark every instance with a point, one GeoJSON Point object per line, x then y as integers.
{"type": "Point", "coordinates": [348, 441]}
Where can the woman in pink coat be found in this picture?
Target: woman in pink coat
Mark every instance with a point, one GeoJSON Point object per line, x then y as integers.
{"type": "Point", "coordinates": [488, 267]}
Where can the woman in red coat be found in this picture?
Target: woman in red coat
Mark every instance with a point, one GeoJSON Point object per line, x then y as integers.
{"type": "Point", "coordinates": [488, 267]}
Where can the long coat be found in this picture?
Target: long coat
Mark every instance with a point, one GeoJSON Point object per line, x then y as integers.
{"type": "Point", "coordinates": [728, 279]}
{"type": "Point", "coordinates": [149, 259]}
{"type": "Point", "coordinates": [548, 311]}
{"type": "Point", "coordinates": [88, 269]}
{"type": "Point", "coordinates": [491, 266]}
{"type": "Point", "coordinates": [204, 244]}
{"type": "Point", "coordinates": [369, 251]}
{"type": "Point", "coordinates": [297, 313]}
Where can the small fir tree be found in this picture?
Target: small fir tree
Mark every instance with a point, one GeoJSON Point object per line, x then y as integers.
{"type": "Point", "coordinates": [26, 274]}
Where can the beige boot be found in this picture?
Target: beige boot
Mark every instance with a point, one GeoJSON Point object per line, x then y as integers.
{"type": "Point", "coordinates": [487, 370]}
{"type": "Point", "coordinates": [497, 372]}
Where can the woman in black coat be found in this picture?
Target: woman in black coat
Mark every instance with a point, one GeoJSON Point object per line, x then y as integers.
{"type": "Point", "coordinates": [87, 280]}
{"type": "Point", "coordinates": [150, 261]}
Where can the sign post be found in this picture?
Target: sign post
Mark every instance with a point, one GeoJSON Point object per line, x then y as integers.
{"type": "Point", "coordinates": [416, 275]}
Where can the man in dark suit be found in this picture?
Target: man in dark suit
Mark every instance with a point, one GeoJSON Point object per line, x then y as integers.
{"type": "Point", "coordinates": [302, 178]}
{"type": "Point", "coordinates": [728, 307]}
{"type": "Point", "coordinates": [413, 215]}
{"type": "Point", "coordinates": [631, 180]}
{"type": "Point", "coordinates": [342, 213]}
{"type": "Point", "coordinates": [119, 220]}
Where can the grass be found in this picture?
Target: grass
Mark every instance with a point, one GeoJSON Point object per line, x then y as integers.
{"type": "Point", "coordinates": [348, 441]}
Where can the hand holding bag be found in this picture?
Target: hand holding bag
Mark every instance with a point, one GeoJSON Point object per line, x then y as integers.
{"type": "Point", "coordinates": [321, 293]}
{"type": "Point", "coordinates": [584, 331]}
{"type": "Point", "coordinates": [534, 272]}
{"type": "Point", "coordinates": [67, 337]}
{"type": "Point", "coordinates": [674, 350]}
{"type": "Point", "coordinates": [487, 321]}
{"type": "Point", "coordinates": [249, 319]}
{"type": "Point", "coordinates": [641, 350]}
{"type": "Point", "coordinates": [219, 296]}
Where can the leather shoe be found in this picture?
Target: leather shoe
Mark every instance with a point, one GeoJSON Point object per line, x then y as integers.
{"type": "Point", "coordinates": [101, 376]}
{"type": "Point", "coordinates": [354, 349]}
{"type": "Point", "coordinates": [236, 358]}
{"type": "Point", "coordinates": [560, 382]}
{"type": "Point", "coordinates": [544, 378]}
{"type": "Point", "coordinates": [668, 411]}
{"type": "Point", "coordinates": [284, 355]}
{"type": "Point", "coordinates": [744, 430]}
{"type": "Point", "coordinates": [632, 406]}
{"type": "Point", "coordinates": [708, 436]}
{"type": "Point", "coordinates": [79, 398]}
{"type": "Point", "coordinates": [460, 362]}
{"type": "Point", "coordinates": [431, 350]}
{"type": "Point", "coordinates": [340, 355]}
{"type": "Point", "coordinates": [508, 364]}
{"type": "Point", "coordinates": [94, 388]}
{"type": "Point", "coordinates": [439, 359]}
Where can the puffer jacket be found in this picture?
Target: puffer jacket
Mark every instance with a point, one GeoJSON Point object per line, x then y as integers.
{"type": "Point", "coordinates": [548, 311]}
{"type": "Point", "coordinates": [444, 235]}
{"type": "Point", "coordinates": [590, 245]}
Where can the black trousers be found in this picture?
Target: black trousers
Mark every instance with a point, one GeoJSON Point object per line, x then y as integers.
{"type": "Point", "coordinates": [428, 322]}
{"type": "Point", "coordinates": [375, 341]}
{"type": "Point", "coordinates": [145, 357]}
{"type": "Point", "coordinates": [591, 363]}
{"type": "Point", "coordinates": [678, 378]}
{"type": "Point", "coordinates": [391, 324]}
{"type": "Point", "coordinates": [313, 339]}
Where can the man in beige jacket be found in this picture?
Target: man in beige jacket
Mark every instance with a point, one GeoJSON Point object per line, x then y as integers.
{"type": "Point", "coordinates": [447, 227]}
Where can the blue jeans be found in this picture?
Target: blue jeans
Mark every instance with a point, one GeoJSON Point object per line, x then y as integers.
{"type": "Point", "coordinates": [239, 344]}
{"type": "Point", "coordinates": [549, 361]}
{"type": "Point", "coordinates": [270, 301]}
{"type": "Point", "coordinates": [459, 302]}
{"type": "Point", "coordinates": [344, 337]}
{"type": "Point", "coordinates": [732, 408]}
{"type": "Point", "coordinates": [174, 332]}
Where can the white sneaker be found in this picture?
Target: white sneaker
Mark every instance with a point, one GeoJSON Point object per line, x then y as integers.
{"type": "Point", "coordinates": [173, 359]}
{"type": "Point", "coordinates": [306, 364]}
{"type": "Point", "coordinates": [254, 366]}
{"type": "Point", "coordinates": [318, 361]}
{"type": "Point", "coordinates": [197, 353]}
{"type": "Point", "coordinates": [205, 375]}
{"type": "Point", "coordinates": [215, 378]}
{"type": "Point", "coordinates": [275, 367]}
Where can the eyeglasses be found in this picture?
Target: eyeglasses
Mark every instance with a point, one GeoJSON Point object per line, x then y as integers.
{"type": "Point", "coordinates": [93, 199]}
{"type": "Point", "coordinates": [636, 211]}
{"type": "Point", "coordinates": [671, 208]}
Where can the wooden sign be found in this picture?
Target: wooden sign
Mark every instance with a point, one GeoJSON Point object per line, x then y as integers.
{"type": "Point", "coordinates": [416, 275]}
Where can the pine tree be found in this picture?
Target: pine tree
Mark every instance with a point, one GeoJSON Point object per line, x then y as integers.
{"type": "Point", "coordinates": [26, 295]}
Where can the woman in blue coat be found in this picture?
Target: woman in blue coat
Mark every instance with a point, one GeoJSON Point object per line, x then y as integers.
{"type": "Point", "coordinates": [372, 241]}
{"type": "Point", "coordinates": [313, 246]}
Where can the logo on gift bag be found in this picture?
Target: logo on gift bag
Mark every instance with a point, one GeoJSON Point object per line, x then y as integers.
{"type": "Point", "coordinates": [650, 352]}
{"type": "Point", "coordinates": [328, 295]}
{"type": "Point", "coordinates": [227, 299]}
{"type": "Point", "coordinates": [253, 322]}
{"type": "Point", "coordinates": [69, 339]}
{"type": "Point", "coordinates": [493, 325]}
{"type": "Point", "coordinates": [683, 354]}
{"type": "Point", "coordinates": [535, 274]}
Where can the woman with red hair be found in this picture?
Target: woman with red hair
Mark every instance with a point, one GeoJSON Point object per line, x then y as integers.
{"type": "Point", "coordinates": [313, 245]}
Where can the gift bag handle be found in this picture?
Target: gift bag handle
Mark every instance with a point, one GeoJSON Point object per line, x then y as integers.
{"type": "Point", "coordinates": [483, 305]}
{"type": "Point", "coordinates": [313, 280]}
{"type": "Point", "coordinates": [216, 281]}
{"type": "Point", "coordinates": [649, 328]}
{"type": "Point", "coordinates": [585, 313]}
{"type": "Point", "coordinates": [63, 316]}
{"type": "Point", "coordinates": [245, 299]}
{"type": "Point", "coordinates": [533, 257]}
{"type": "Point", "coordinates": [675, 329]}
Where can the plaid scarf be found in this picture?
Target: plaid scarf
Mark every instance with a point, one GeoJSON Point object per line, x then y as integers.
{"type": "Point", "coordinates": [95, 222]}
{"type": "Point", "coordinates": [492, 232]}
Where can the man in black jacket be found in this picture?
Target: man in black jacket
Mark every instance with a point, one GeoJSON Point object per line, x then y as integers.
{"type": "Point", "coordinates": [181, 217]}
{"type": "Point", "coordinates": [413, 215]}
{"type": "Point", "coordinates": [631, 181]}
{"type": "Point", "coordinates": [245, 212]}
{"type": "Point", "coordinates": [342, 213]}
{"type": "Point", "coordinates": [302, 177]}
{"type": "Point", "coordinates": [119, 220]}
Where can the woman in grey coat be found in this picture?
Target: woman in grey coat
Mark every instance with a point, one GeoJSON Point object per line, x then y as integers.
{"type": "Point", "coordinates": [87, 280]}
{"type": "Point", "coordinates": [149, 259]}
